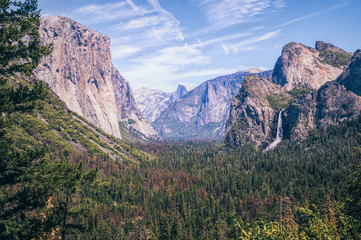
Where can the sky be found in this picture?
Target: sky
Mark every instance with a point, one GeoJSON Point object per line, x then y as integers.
{"type": "Point", "coordinates": [159, 44]}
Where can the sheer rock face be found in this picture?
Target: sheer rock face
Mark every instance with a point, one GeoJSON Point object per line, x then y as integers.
{"type": "Point", "coordinates": [334, 102]}
{"type": "Point", "coordinates": [127, 108]}
{"type": "Point", "coordinates": [81, 73]}
{"type": "Point", "coordinates": [203, 112]}
{"type": "Point", "coordinates": [253, 117]}
{"type": "Point", "coordinates": [308, 67]}
{"type": "Point", "coordinates": [180, 92]}
{"type": "Point", "coordinates": [350, 78]}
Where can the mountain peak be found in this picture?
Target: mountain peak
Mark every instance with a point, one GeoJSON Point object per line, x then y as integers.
{"type": "Point", "coordinates": [322, 46]}
{"type": "Point", "coordinates": [180, 92]}
{"type": "Point", "coordinates": [309, 67]}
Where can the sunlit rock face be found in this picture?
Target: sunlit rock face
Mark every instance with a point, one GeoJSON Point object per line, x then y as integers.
{"type": "Point", "coordinates": [81, 73]}
{"type": "Point", "coordinates": [309, 67]}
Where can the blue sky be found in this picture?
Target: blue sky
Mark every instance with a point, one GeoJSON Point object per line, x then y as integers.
{"type": "Point", "coordinates": [160, 43]}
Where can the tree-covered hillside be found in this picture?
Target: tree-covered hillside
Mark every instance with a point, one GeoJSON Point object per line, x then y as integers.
{"type": "Point", "coordinates": [63, 178]}
{"type": "Point", "coordinates": [47, 153]}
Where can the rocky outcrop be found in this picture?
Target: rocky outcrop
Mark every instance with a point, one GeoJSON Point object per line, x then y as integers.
{"type": "Point", "coordinates": [300, 65]}
{"type": "Point", "coordinates": [80, 72]}
{"type": "Point", "coordinates": [252, 118]}
{"type": "Point", "coordinates": [301, 87]}
{"type": "Point", "coordinates": [180, 92]}
{"type": "Point", "coordinates": [350, 78]}
{"type": "Point", "coordinates": [202, 112]}
{"type": "Point", "coordinates": [333, 55]}
{"type": "Point", "coordinates": [334, 102]}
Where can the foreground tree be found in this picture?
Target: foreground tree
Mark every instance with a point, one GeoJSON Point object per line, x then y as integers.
{"type": "Point", "coordinates": [20, 49]}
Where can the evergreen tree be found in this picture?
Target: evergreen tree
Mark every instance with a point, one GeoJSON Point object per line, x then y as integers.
{"type": "Point", "coordinates": [354, 190]}
{"type": "Point", "coordinates": [20, 49]}
{"type": "Point", "coordinates": [20, 190]}
{"type": "Point", "coordinates": [164, 229]}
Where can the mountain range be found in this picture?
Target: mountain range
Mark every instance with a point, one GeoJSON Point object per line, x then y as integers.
{"type": "Point", "coordinates": [202, 113]}
{"type": "Point", "coordinates": [311, 87]}
{"type": "Point", "coordinates": [154, 101]}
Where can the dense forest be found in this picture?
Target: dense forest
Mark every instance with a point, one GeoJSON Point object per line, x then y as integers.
{"type": "Point", "coordinates": [50, 189]}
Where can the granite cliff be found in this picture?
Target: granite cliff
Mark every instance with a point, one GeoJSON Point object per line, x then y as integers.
{"type": "Point", "coordinates": [300, 65]}
{"type": "Point", "coordinates": [334, 102]}
{"type": "Point", "coordinates": [301, 75]}
{"type": "Point", "coordinates": [80, 72]}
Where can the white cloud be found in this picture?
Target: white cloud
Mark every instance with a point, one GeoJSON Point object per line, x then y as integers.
{"type": "Point", "coordinates": [96, 13]}
{"type": "Point", "coordinates": [122, 51]}
{"type": "Point", "coordinates": [164, 66]}
{"type": "Point", "coordinates": [224, 13]}
{"type": "Point", "coordinates": [246, 45]}
{"type": "Point", "coordinates": [140, 22]}
{"type": "Point", "coordinates": [146, 25]}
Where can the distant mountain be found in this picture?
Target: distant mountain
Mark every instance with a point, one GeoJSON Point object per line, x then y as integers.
{"type": "Point", "coordinates": [180, 92]}
{"type": "Point", "coordinates": [203, 112]}
{"type": "Point", "coordinates": [152, 102]}
{"type": "Point", "coordinates": [79, 70]}
{"type": "Point", "coordinates": [303, 88]}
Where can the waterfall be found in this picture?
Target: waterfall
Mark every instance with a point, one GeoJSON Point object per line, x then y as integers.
{"type": "Point", "coordinates": [279, 134]}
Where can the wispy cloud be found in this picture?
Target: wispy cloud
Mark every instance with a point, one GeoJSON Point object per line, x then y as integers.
{"type": "Point", "coordinates": [123, 51]}
{"type": "Point", "coordinates": [146, 25]}
{"type": "Point", "coordinates": [224, 13]}
{"type": "Point", "coordinates": [344, 4]}
{"type": "Point", "coordinates": [100, 13]}
{"type": "Point", "coordinates": [165, 65]}
{"type": "Point", "coordinates": [246, 45]}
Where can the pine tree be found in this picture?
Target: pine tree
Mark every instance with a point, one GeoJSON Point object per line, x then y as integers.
{"type": "Point", "coordinates": [20, 188]}
{"type": "Point", "coordinates": [20, 49]}
{"type": "Point", "coordinates": [164, 229]}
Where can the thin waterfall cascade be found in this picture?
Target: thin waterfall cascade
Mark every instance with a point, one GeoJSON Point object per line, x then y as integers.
{"type": "Point", "coordinates": [279, 134]}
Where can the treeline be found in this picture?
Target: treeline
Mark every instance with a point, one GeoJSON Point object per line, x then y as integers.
{"type": "Point", "coordinates": [180, 190]}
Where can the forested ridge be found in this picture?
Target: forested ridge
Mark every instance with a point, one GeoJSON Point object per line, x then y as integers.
{"type": "Point", "coordinates": [62, 178]}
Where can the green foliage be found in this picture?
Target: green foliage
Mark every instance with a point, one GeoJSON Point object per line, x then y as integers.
{"type": "Point", "coordinates": [279, 102]}
{"type": "Point", "coordinates": [20, 49]}
{"type": "Point", "coordinates": [299, 91]}
{"type": "Point", "coordinates": [354, 190]}
{"type": "Point", "coordinates": [23, 98]}
{"type": "Point", "coordinates": [19, 189]}
{"type": "Point", "coordinates": [336, 59]}
{"type": "Point", "coordinates": [66, 207]}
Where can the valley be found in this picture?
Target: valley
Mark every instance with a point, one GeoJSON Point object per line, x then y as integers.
{"type": "Point", "coordinates": [253, 154]}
